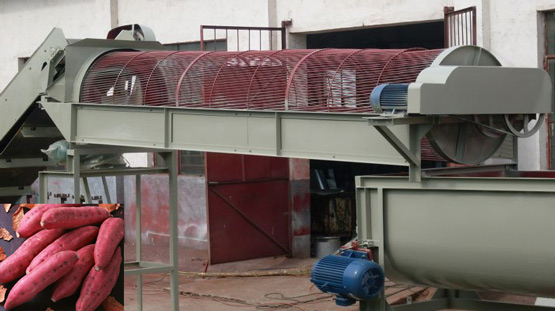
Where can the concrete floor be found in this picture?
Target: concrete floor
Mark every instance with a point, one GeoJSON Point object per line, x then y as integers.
{"type": "Point", "coordinates": [261, 293]}
{"type": "Point", "coordinates": [246, 293]}
{"type": "Point", "coordinates": [235, 293]}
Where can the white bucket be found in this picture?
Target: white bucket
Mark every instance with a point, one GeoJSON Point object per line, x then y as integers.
{"type": "Point", "coordinates": [326, 245]}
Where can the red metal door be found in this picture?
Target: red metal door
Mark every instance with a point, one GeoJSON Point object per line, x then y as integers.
{"type": "Point", "coordinates": [248, 207]}
{"type": "Point", "coordinates": [248, 204]}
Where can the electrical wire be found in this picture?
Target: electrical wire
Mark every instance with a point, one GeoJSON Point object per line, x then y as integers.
{"type": "Point", "coordinates": [295, 301]}
{"type": "Point", "coordinates": [285, 302]}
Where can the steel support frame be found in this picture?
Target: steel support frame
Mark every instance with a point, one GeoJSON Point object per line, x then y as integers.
{"type": "Point", "coordinates": [370, 209]}
{"type": "Point", "coordinates": [26, 162]}
{"type": "Point", "coordinates": [417, 127]}
{"type": "Point", "coordinates": [457, 300]}
{"type": "Point", "coordinates": [268, 133]}
{"type": "Point", "coordinates": [15, 191]}
{"type": "Point", "coordinates": [503, 169]}
{"type": "Point", "coordinates": [138, 267]}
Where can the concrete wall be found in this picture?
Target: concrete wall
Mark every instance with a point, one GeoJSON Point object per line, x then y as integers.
{"type": "Point", "coordinates": [516, 37]}
{"type": "Point", "coordinates": [326, 15]}
{"type": "Point", "coordinates": [179, 20]}
{"type": "Point", "coordinates": [25, 24]}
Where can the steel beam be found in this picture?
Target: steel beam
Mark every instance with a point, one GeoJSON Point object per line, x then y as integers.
{"type": "Point", "coordinates": [26, 162]}
{"type": "Point", "coordinates": [339, 137]}
{"type": "Point", "coordinates": [172, 164]}
{"type": "Point", "coordinates": [14, 191]}
{"type": "Point", "coordinates": [146, 267]}
{"type": "Point", "coordinates": [503, 169]}
{"type": "Point", "coordinates": [138, 240]}
{"type": "Point", "coordinates": [110, 172]}
{"type": "Point", "coordinates": [41, 132]}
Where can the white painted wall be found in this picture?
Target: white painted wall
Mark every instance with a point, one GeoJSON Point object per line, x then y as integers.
{"type": "Point", "coordinates": [325, 15]}
{"type": "Point", "coordinates": [25, 24]}
{"type": "Point", "coordinates": [509, 28]}
{"type": "Point", "coordinates": [516, 38]}
{"type": "Point", "coordinates": [180, 20]}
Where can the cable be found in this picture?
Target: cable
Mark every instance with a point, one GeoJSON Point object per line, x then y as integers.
{"type": "Point", "coordinates": [259, 306]}
{"type": "Point", "coordinates": [295, 299]}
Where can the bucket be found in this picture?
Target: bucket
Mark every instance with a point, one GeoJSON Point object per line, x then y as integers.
{"type": "Point", "coordinates": [326, 245]}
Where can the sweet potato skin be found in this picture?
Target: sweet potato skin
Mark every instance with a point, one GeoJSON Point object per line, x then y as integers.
{"type": "Point", "coordinates": [110, 234]}
{"type": "Point", "coordinates": [69, 283]}
{"type": "Point", "coordinates": [72, 241]}
{"type": "Point", "coordinates": [98, 284]}
{"type": "Point", "coordinates": [14, 266]}
{"type": "Point", "coordinates": [45, 274]}
{"type": "Point", "coordinates": [69, 217]}
{"type": "Point", "coordinates": [30, 223]}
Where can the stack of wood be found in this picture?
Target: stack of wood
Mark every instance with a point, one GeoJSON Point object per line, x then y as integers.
{"type": "Point", "coordinates": [401, 294]}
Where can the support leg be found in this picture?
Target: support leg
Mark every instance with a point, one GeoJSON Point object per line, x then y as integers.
{"type": "Point", "coordinates": [371, 206]}
{"type": "Point", "coordinates": [76, 166]}
{"type": "Point", "coordinates": [374, 305]}
{"type": "Point", "coordinates": [171, 162]}
{"type": "Point", "coordinates": [138, 229]}
{"type": "Point", "coordinates": [415, 170]}
{"type": "Point", "coordinates": [107, 197]}
{"type": "Point", "coordinates": [43, 187]}
{"type": "Point", "coordinates": [87, 190]}
{"type": "Point", "coordinates": [411, 153]}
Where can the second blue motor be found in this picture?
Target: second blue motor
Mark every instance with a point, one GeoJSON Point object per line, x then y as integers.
{"type": "Point", "coordinates": [350, 275]}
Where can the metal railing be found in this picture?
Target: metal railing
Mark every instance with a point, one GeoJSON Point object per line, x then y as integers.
{"type": "Point", "coordinates": [459, 26]}
{"type": "Point", "coordinates": [275, 37]}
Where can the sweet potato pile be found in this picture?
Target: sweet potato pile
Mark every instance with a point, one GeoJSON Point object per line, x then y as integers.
{"type": "Point", "coordinates": [59, 250]}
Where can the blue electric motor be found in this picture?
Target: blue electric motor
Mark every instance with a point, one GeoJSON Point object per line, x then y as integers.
{"type": "Point", "coordinates": [389, 98]}
{"type": "Point", "coordinates": [351, 276]}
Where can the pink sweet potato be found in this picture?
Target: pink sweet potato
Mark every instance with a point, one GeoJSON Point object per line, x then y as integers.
{"type": "Point", "coordinates": [98, 284]}
{"type": "Point", "coordinates": [68, 217]}
{"type": "Point", "coordinates": [109, 236]}
{"type": "Point", "coordinates": [69, 283]}
{"type": "Point", "coordinates": [30, 223]}
{"type": "Point", "coordinates": [45, 274]}
{"type": "Point", "coordinates": [14, 266]}
{"type": "Point", "coordinates": [71, 241]}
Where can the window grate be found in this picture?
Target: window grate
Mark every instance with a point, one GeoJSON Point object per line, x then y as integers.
{"type": "Point", "coordinates": [459, 26]}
